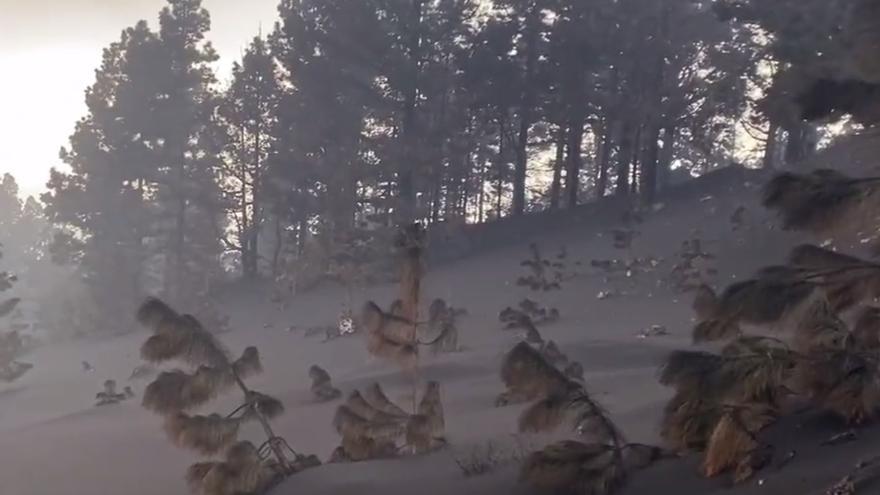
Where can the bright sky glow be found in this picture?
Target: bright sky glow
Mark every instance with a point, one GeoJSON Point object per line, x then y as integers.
{"type": "Point", "coordinates": [49, 50]}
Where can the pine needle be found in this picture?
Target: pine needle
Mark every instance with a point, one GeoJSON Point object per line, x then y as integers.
{"type": "Point", "coordinates": [242, 472]}
{"type": "Point", "coordinates": [248, 365]}
{"type": "Point", "coordinates": [545, 415]}
{"type": "Point", "coordinates": [689, 369]}
{"type": "Point", "coordinates": [175, 391]}
{"type": "Point", "coordinates": [381, 427]}
{"type": "Point", "coordinates": [207, 435]}
{"type": "Point", "coordinates": [389, 337]}
{"type": "Point", "coordinates": [574, 467]}
{"type": "Point", "coordinates": [824, 202]}
{"type": "Point", "coordinates": [178, 337]}
{"type": "Point", "coordinates": [688, 420]}
{"type": "Point", "coordinates": [733, 441]}
{"type": "Point", "coordinates": [773, 295]}
{"type": "Point", "coordinates": [376, 398]}
{"type": "Point", "coordinates": [528, 376]}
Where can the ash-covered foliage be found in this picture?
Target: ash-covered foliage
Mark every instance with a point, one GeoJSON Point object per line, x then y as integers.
{"type": "Point", "coordinates": [599, 460]}
{"type": "Point", "coordinates": [372, 426]}
{"type": "Point", "coordinates": [174, 394]}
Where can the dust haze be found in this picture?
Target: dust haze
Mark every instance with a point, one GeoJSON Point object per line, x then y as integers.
{"type": "Point", "coordinates": [446, 246]}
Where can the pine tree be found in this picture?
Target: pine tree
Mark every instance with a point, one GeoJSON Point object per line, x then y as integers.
{"type": "Point", "coordinates": [190, 216]}
{"type": "Point", "coordinates": [329, 51]}
{"type": "Point", "coordinates": [371, 428]}
{"type": "Point", "coordinates": [99, 206]}
{"type": "Point", "coordinates": [600, 461]}
{"type": "Point", "coordinates": [181, 337]}
{"type": "Point", "coordinates": [808, 44]}
{"type": "Point", "coordinates": [248, 111]}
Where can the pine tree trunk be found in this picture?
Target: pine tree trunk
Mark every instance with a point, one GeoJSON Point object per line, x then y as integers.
{"type": "Point", "coordinates": [267, 429]}
{"type": "Point", "coordinates": [406, 211]}
{"type": "Point", "coordinates": [575, 161]}
{"type": "Point", "coordinates": [435, 200]}
{"type": "Point", "coordinates": [466, 187]}
{"type": "Point", "coordinates": [649, 163]}
{"type": "Point", "coordinates": [624, 160]}
{"type": "Point", "coordinates": [481, 194]}
{"type": "Point", "coordinates": [276, 249]}
{"type": "Point", "coordinates": [452, 196]}
{"type": "Point", "coordinates": [664, 165]}
{"type": "Point", "coordinates": [604, 159]}
{"type": "Point", "coordinates": [251, 230]}
{"type": "Point", "coordinates": [801, 143]}
{"type": "Point", "coordinates": [499, 195]}
{"type": "Point", "coordinates": [769, 159]}
{"type": "Point", "coordinates": [533, 25]}
{"type": "Point", "coordinates": [302, 236]}
{"type": "Point", "coordinates": [499, 185]}
{"type": "Point", "coordinates": [180, 234]}
{"type": "Point", "coordinates": [243, 213]}
{"type": "Point", "coordinates": [558, 164]}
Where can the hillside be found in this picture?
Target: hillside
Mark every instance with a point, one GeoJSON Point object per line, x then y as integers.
{"type": "Point", "coordinates": [57, 442]}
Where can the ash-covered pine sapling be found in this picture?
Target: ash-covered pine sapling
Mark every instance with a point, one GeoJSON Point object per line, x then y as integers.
{"type": "Point", "coordinates": [181, 338]}
{"type": "Point", "coordinates": [545, 274]}
{"type": "Point", "coordinates": [694, 269]}
{"type": "Point", "coordinates": [322, 385]}
{"type": "Point", "coordinates": [723, 401]}
{"type": "Point", "coordinates": [110, 396]}
{"type": "Point", "coordinates": [599, 461]}
{"type": "Point", "coordinates": [394, 336]}
{"type": "Point", "coordinates": [373, 427]}
{"type": "Point", "coordinates": [442, 324]}
{"type": "Point", "coordinates": [370, 430]}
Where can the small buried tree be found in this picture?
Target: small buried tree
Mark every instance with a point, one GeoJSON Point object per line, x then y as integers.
{"type": "Point", "coordinates": [247, 468]}
{"type": "Point", "coordinates": [544, 274]}
{"type": "Point", "coordinates": [372, 426]}
{"type": "Point", "coordinates": [367, 428]}
{"type": "Point", "coordinates": [599, 461]}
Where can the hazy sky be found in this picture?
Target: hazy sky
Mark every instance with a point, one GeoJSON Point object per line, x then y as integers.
{"type": "Point", "coordinates": [49, 50]}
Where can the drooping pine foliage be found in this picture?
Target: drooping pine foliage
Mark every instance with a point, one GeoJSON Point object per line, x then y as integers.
{"type": "Point", "coordinates": [173, 394]}
{"type": "Point", "coordinates": [600, 461]}
{"type": "Point", "coordinates": [827, 204]}
{"type": "Point", "coordinates": [820, 302]}
{"type": "Point", "coordinates": [372, 426]}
